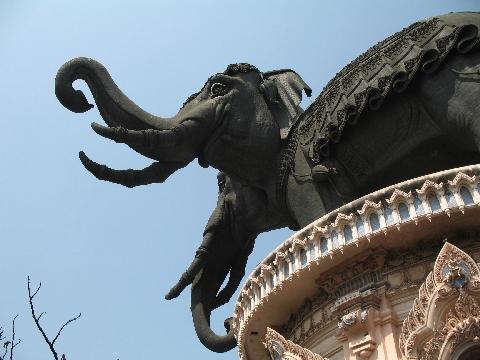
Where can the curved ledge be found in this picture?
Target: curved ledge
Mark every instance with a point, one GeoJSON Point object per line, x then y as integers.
{"type": "Point", "coordinates": [345, 232]}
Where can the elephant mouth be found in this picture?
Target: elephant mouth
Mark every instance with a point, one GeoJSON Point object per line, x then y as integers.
{"type": "Point", "coordinates": [207, 151]}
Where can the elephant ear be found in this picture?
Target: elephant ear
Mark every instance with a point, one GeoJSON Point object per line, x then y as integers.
{"type": "Point", "coordinates": [283, 90]}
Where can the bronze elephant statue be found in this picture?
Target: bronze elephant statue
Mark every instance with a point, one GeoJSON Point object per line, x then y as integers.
{"type": "Point", "coordinates": [408, 106]}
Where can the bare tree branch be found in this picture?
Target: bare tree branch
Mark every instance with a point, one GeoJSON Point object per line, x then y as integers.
{"type": "Point", "coordinates": [36, 319]}
{"type": "Point", "coordinates": [9, 344]}
{"type": "Point", "coordinates": [14, 344]}
{"type": "Point", "coordinates": [5, 344]}
{"type": "Point", "coordinates": [39, 316]}
{"type": "Point", "coordinates": [38, 288]}
{"type": "Point", "coordinates": [68, 322]}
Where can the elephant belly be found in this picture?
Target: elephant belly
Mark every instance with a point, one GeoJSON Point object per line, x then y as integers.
{"type": "Point", "coordinates": [453, 97]}
{"type": "Point", "coordinates": [397, 142]}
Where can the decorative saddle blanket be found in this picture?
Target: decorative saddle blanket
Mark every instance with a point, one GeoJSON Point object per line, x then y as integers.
{"type": "Point", "coordinates": [388, 66]}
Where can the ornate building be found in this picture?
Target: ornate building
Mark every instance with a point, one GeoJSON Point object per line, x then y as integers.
{"type": "Point", "coordinates": [392, 275]}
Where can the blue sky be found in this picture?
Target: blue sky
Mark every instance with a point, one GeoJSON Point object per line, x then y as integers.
{"type": "Point", "coordinates": [112, 252]}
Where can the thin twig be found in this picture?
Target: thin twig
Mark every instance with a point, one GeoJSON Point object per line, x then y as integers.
{"type": "Point", "coordinates": [68, 322]}
{"type": "Point", "coordinates": [5, 344]}
{"type": "Point", "coordinates": [38, 288]}
{"type": "Point", "coordinates": [39, 327]}
{"type": "Point", "coordinates": [14, 344]}
{"type": "Point", "coordinates": [37, 322]}
{"type": "Point", "coordinates": [9, 344]}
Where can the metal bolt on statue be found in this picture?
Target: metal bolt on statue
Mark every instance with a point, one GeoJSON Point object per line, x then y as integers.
{"type": "Point", "coordinates": [408, 106]}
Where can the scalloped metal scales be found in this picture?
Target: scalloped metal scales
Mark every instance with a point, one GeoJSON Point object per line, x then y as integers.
{"type": "Point", "coordinates": [391, 64]}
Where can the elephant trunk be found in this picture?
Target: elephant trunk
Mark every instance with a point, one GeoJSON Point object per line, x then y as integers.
{"type": "Point", "coordinates": [114, 106]}
{"type": "Point", "coordinates": [166, 140]}
{"type": "Point", "coordinates": [201, 309]}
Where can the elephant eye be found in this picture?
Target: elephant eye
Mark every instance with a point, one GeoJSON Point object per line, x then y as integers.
{"type": "Point", "coordinates": [218, 89]}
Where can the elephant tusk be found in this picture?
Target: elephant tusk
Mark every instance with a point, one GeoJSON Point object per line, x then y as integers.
{"type": "Point", "coordinates": [155, 173]}
{"type": "Point", "coordinates": [150, 138]}
{"type": "Point", "coordinates": [236, 274]}
{"type": "Point", "coordinates": [189, 274]}
{"type": "Point", "coordinates": [195, 267]}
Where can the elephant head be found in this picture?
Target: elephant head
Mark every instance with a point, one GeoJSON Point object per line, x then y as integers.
{"type": "Point", "coordinates": [224, 250]}
{"type": "Point", "coordinates": [234, 123]}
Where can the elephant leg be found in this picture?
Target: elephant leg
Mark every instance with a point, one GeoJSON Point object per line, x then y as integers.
{"type": "Point", "coordinates": [464, 105]}
{"type": "Point", "coordinates": [451, 98]}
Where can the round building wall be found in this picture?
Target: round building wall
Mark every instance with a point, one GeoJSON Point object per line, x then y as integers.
{"type": "Point", "coordinates": [346, 286]}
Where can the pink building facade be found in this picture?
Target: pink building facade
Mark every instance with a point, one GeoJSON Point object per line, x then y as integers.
{"type": "Point", "coordinates": [392, 275]}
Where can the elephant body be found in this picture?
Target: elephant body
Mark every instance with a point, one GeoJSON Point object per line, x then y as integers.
{"type": "Point", "coordinates": [398, 111]}
{"type": "Point", "coordinates": [425, 129]}
{"type": "Point", "coordinates": [408, 106]}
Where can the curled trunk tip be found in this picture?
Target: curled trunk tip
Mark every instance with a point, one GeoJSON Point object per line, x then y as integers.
{"type": "Point", "coordinates": [201, 320]}
{"type": "Point", "coordinates": [114, 106]}
{"type": "Point", "coordinates": [73, 100]}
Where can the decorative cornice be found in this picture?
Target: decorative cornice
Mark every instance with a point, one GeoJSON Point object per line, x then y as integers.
{"type": "Point", "coordinates": [321, 311]}
{"type": "Point", "coordinates": [399, 194]}
{"type": "Point", "coordinates": [462, 177]}
{"type": "Point", "coordinates": [367, 205]}
{"type": "Point", "coordinates": [350, 319]}
{"type": "Point", "coordinates": [280, 256]}
{"type": "Point", "coordinates": [429, 185]}
{"type": "Point", "coordinates": [336, 220]}
{"type": "Point", "coordinates": [280, 348]}
{"type": "Point", "coordinates": [446, 312]}
{"type": "Point", "coordinates": [455, 262]}
{"type": "Point", "coordinates": [297, 243]}
{"type": "Point", "coordinates": [257, 281]}
{"type": "Point", "coordinates": [265, 269]}
{"type": "Point", "coordinates": [321, 230]}
{"type": "Point", "coordinates": [342, 219]}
